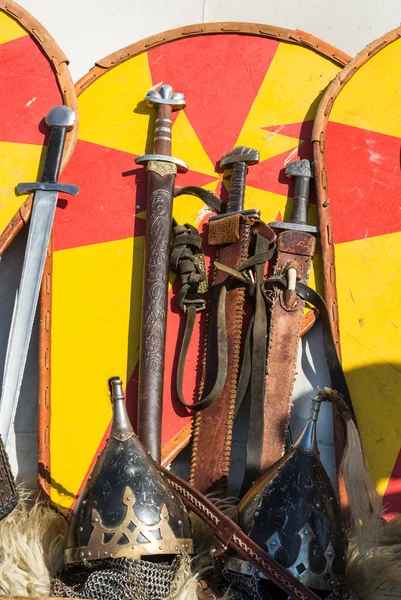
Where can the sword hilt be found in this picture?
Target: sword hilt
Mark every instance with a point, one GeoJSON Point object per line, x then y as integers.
{"type": "Point", "coordinates": [302, 172]}
{"type": "Point", "coordinates": [239, 159]}
{"type": "Point", "coordinates": [61, 119]}
{"type": "Point", "coordinates": [166, 101]}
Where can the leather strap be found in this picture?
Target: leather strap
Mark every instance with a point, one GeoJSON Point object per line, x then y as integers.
{"type": "Point", "coordinates": [229, 534]}
{"type": "Point", "coordinates": [207, 197]}
{"type": "Point", "coordinates": [221, 354]}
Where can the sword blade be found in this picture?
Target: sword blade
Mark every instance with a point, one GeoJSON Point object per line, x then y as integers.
{"type": "Point", "coordinates": [44, 207]}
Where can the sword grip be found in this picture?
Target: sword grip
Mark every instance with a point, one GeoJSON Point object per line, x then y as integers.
{"type": "Point", "coordinates": [163, 129]}
{"type": "Point", "coordinates": [54, 154]}
{"type": "Point", "coordinates": [237, 189]}
{"type": "Point", "coordinates": [300, 202]}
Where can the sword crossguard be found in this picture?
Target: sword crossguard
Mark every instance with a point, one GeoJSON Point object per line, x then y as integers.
{"type": "Point", "coordinates": [249, 156]}
{"type": "Point", "coordinates": [67, 188]}
{"type": "Point", "coordinates": [300, 168]}
{"type": "Point", "coordinates": [165, 95]}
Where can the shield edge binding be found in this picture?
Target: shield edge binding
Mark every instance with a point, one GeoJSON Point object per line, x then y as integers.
{"type": "Point", "coordinates": [297, 37]}
{"type": "Point", "coordinates": [323, 203]}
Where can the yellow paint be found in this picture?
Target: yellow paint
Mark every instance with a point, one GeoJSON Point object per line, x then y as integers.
{"type": "Point", "coordinates": [112, 111]}
{"type": "Point", "coordinates": [188, 148]}
{"type": "Point", "coordinates": [95, 335]}
{"type": "Point", "coordinates": [370, 324]}
{"type": "Point", "coordinates": [268, 143]}
{"type": "Point", "coordinates": [290, 93]}
{"type": "Point", "coordinates": [381, 486]}
{"type": "Point", "coordinates": [20, 162]}
{"type": "Point", "coordinates": [372, 97]}
{"type": "Point", "coordinates": [10, 29]}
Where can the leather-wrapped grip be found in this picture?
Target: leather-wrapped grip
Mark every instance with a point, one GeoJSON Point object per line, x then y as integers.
{"type": "Point", "coordinates": [54, 154]}
{"type": "Point", "coordinates": [237, 189]}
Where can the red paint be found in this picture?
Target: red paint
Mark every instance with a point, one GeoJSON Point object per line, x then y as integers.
{"type": "Point", "coordinates": [392, 496]}
{"type": "Point", "coordinates": [364, 180]}
{"type": "Point", "coordinates": [269, 175]}
{"type": "Point", "coordinates": [221, 76]}
{"type": "Point", "coordinates": [29, 91]}
{"type": "Point", "coordinates": [112, 190]}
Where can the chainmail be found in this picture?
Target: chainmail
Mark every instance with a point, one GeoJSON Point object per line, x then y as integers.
{"type": "Point", "coordinates": [116, 579]}
{"type": "Point", "coordinates": [243, 587]}
{"type": "Point", "coordinates": [247, 587]}
{"type": "Point", "coordinates": [344, 595]}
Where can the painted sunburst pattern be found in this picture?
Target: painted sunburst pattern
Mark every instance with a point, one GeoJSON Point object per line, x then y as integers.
{"type": "Point", "coordinates": [240, 90]}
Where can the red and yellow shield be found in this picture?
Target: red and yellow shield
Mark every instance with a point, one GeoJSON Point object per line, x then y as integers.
{"type": "Point", "coordinates": [358, 143]}
{"type": "Point", "coordinates": [244, 84]}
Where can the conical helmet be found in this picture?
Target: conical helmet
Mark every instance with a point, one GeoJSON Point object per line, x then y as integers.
{"type": "Point", "coordinates": [292, 512]}
{"type": "Point", "coordinates": [127, 507]}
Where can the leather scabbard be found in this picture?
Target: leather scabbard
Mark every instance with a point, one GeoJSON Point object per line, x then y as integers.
{"type": "Point", "coordinates": [154, 311]}
{"type": "Point", "coordinates": [213, 426]}
{"type": "Point", "coordinates": [294, 249]}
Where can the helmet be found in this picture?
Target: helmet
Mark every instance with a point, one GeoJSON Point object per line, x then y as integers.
{"type": "Point", "coordinates": [127, 508]}
{"type": "Point", "coordinates": [292, 511]}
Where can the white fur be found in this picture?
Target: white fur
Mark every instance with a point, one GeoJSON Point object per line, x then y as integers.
{"type": "Point", "coordinates": [32, 541]}
{"type": "Point", "coordinates": [31, 548]}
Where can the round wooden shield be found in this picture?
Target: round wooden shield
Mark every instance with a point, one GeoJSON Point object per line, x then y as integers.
{"type": "Point", "coordinates": [357, 157]}
{"type": "Point", "coordinates": [34, 77]}
{"type": "Point", "coordinates": [244, 84]}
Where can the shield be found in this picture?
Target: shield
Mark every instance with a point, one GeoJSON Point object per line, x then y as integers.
{"type": "Point", "coordinates": [34, 77]}
{"type": "Point", "coordinates": [245, 84]}
{"type": "Point", "coordinates": [357, 141]}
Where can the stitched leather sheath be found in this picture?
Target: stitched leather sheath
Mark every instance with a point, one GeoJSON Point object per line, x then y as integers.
{"type": "Point", "coordinates": [294, 249]}
{"type": "Point", "coordinates": [213, 427]}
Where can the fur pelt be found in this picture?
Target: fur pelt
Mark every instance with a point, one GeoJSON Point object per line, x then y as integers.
{"type": "Point", "coordinates": [376, 574]}
{"type": "Point", "coordinates": [31, 547]}
{"type": "Point", "coordinates": [32, 541]}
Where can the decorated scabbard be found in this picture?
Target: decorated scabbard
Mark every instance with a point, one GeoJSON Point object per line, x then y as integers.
{"type": "Point", "coordinates": [162, 168]}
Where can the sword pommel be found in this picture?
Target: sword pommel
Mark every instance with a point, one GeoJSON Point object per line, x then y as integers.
{"type": "Point", "coordinates": [300, 168]}
{"type": "Point", "coordinates": [249, 156]}
{"type": "Point", "coordinates": [165, 95]}
{"type": "Point", "coordinates": [61, 116]}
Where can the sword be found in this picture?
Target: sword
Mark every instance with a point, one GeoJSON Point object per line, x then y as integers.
{"type": "Point", "coordinates": [295, 249]}
{"type": "Point", "coordinates": [232, 232]}
{"type": "Point", "coordinates": [60, 119]}
{"type": "Point", "coordinates": [162, 168]}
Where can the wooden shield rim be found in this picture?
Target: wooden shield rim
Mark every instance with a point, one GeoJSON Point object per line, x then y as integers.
{"type": "Point", "coordinates": [297, 37]}
{"type": "Point", "coordinates": [323, 204]}
{"type": "Point", "coordinates": [322, 179]}
{"type": "Point", "coordinates": [59, 63]}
